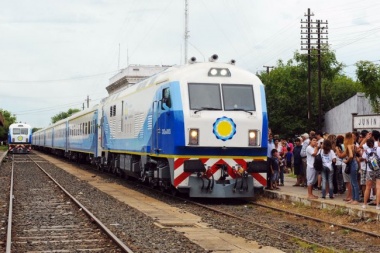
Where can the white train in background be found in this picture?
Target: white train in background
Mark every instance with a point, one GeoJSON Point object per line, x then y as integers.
{"type": "Point", "coordinates": [19, 138]}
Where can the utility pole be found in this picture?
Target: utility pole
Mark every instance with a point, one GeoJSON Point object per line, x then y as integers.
{"type": "Point", "coordinates": [308, 23]}
{"type": "Point", "coordinates": [88, 102]}
{"type": "Point", "coordinates": [268, 67]}
{"type": "Point", "coordinates": [320, 31]}
{"type": "Point", "coordinates": [319, 28]}
{"type": "Point", "coordinates": [186, 28]}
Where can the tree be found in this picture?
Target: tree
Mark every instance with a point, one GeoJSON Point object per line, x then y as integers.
{"type": "Point", "coordinates": [368, 74]}
{"type": "Point", "coordinates": [8, 120]}
{"type": "Point", "coordinates": [35, 129]}
{"type": "Point", "coordinates": [286, 89]}
{"type": "Point", "coordinates": [63, 115]}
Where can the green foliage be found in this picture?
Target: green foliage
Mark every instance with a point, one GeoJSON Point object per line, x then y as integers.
{"type": "Point", "coordinates": [286, 89]}
{"type": "Point", "coordinates": [63, 115]}
{"type": "Point", "coordinates": [8, 120]}
{"type": "Point", "coordinates": [369, 75]}
{"type": "Point", "coordinates": [35, 129]}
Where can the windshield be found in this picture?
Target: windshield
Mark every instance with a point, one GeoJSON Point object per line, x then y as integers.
{"type": "Point", "coordinates": [20, 131]}
{"type": "Point", "coordinates": [204, 96]}
{"type": "Point", "coordinates": [238, 97]}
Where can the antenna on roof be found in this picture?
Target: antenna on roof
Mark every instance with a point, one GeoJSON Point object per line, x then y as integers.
{"type": "Point", "coordinates": [186, 28]}
{"type": "Point", "coordinates": [118, 63]}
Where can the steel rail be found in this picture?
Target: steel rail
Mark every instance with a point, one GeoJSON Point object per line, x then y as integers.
{"type": "Point", "coordinates": [124, 247]}
{"type": "Point", "coordinates": [262, 226]}
{"type": "Point", "coordinates": [318, 220]}
{"type": "Point", "coordinates": [10, 211]}
{"type": "Point", "coordinates": [243, 219]}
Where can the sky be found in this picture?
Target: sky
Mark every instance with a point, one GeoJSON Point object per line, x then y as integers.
{"type": "Point", "coordinates": [53, 54]}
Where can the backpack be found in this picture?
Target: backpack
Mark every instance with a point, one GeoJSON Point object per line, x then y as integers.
{"type": "Point", "coordinates": [373, 160]}
{"type": "Point", "coordinates": [318, 163]}
{"type": "Point", "coordinates": [303, 150]}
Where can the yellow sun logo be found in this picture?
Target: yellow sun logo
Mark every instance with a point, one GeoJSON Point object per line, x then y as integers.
{"type": "Point", "coordinates": [224, 128]}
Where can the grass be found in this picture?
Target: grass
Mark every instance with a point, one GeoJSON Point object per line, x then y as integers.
{"type": "Point", "coordinates": [312, 247]}
{"type": "Point", "coordinates": [339, 211]}
{"type": "Point", "coordinates": [3, 148]}
{"type": "Point", "coordinates": [291, 174]}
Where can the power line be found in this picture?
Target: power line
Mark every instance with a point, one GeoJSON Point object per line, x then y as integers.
{"type": "Point", "coordinates": [58, 80]}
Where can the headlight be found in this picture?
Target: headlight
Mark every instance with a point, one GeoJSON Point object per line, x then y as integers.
{"type": "Point", "coordinates": [193, 136]}
{"type": "Point", "coordinates": [219, 72]}
{"type": "Point", "coordinates": [253, 138]}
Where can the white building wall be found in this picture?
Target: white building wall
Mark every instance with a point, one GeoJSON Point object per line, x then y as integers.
{"type": "Point", "coordinates": [339, 119]}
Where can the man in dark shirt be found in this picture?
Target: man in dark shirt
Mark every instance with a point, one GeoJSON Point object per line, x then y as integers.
{"type": "Point", "coordinates": [298, 169]}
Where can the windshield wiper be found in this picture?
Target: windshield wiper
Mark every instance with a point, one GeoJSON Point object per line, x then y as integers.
{"type": "Point", "coordinates": [241, 109]}
{"type": "Point", "coordinates": [207, 108]}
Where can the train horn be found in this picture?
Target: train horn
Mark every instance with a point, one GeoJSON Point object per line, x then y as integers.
{"type": "Point", "coordinates": [192, 60]}
{"type": "Point", "coordinates": [213, 57]}
{"type": "Point", "coordinates": [232, 62]}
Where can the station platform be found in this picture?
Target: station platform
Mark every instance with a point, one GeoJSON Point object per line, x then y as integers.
{"type": "Point", "coordinates": [3, 154]}
{"type": "Point", "coordinates": [298, 194]}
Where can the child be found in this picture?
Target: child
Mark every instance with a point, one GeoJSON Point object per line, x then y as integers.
{"type": "Point", "coordinates": [275, 168]}
{"type": "Point", "coordinates": [289, 156]}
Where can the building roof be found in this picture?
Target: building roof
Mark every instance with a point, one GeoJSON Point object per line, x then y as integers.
{"type": "Point", "coordinates": [132, 75]}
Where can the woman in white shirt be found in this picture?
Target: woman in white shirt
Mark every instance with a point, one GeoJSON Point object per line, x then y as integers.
{"type": "Point", "coordinates": [372, 175]}
{"type": "Point", "coordinates": [328, 157]}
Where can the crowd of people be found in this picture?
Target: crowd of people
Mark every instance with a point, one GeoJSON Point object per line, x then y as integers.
{"type": "Point", "coordinates": [349, 164]}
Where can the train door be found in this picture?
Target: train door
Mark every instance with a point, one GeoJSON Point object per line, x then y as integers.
{"type": "Point", "coordinates": [66, 136]}
{"type": "Point", "coordinates": [102, 128]}
{"type": "Point", "coordinates": [97, 131]}
{"type": "Point", "coordinates": [161, 129]}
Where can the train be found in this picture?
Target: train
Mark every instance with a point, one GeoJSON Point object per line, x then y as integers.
{"type": "Point", "coordinates": [19, 138]}
{"type": "Point", "coordinates": [199, 129]}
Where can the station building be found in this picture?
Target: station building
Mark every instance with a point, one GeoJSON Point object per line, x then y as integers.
{"type": "Point", "coordinates": [355, 114]}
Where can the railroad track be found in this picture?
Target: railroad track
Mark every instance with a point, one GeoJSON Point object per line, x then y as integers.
{"type": "Point", "coordinates": [320, 235]}
{"type": "Point", "coordinates": [282, 231]}
{"type": "Point", "coordinates": [308, 217]}
{"type": "Point", "coordinates": [315, 234]}
{"type": "Point", "coordinates": [44, 217]}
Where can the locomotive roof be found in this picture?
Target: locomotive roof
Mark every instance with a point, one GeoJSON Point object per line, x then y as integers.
{"type": "Point", "coordinates": [176, 73]}
{"type": "Point", "coordinates": [14, 125]}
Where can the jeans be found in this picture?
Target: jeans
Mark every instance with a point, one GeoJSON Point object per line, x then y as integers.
{"type": "Point", "coordinates": [340, 183]}
{"type": "Point", "coordinates": [354, 180]}
{"type": "Point", "coordinates": [281, 176]}
{"type": "Point", "coordinates": [327, 176]}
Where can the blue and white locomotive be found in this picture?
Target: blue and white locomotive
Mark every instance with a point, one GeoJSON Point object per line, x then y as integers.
{"type": "Point", "coordinates": [200, 129]}
{"type": "Point", "coordinates": [19, 138]}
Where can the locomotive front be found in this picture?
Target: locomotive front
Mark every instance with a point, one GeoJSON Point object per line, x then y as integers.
{"type": "Point", "coordinates": [225, 132]}
{"type": "Point", "coordinates": [19, 138]}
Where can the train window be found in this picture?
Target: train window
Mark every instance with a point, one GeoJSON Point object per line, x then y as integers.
{"type": "Point", "coordinates": [24, 131]}
{"type": "Point", "coordinates": [16, 131]}
{"type": "Point", "coordinates": [166, 99]}
{"type": "Point", "coordinates": [237, 97]}
{"type": "Point", "coordinates": [113, 111]}
{"type": "Point", "coordinates": [204, 96]}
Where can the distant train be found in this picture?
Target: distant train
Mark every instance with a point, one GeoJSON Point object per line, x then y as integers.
{"type": "Point", "coordinates": [200, 129]}
{"type": "Point", "coordinates": [19, 138]}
